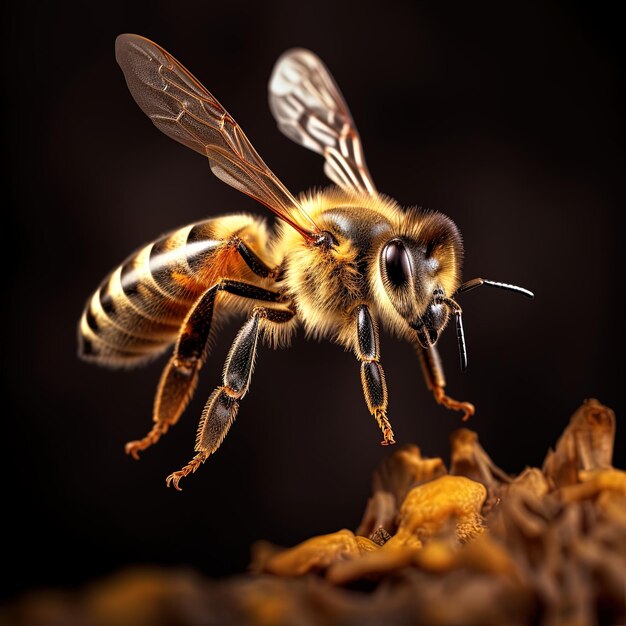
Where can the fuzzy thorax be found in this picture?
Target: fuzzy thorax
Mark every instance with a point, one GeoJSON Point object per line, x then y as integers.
{"type": "Point", "coordinates": [326, 284]}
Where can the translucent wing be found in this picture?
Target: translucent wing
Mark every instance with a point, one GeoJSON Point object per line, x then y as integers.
{"type": "Point", "coordinates": [184, 110]}
{"type": "Point", "coordinates": [310, 110]}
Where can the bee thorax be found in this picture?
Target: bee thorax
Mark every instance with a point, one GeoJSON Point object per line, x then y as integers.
{"type": "Point", "coordinates": [327, 282]}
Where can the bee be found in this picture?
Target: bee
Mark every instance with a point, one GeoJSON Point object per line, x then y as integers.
{"type": "Point", "coordinates": [338, 262]}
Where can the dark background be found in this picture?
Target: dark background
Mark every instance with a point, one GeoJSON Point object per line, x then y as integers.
{"type": "Point", "coordinates": [507, 118]}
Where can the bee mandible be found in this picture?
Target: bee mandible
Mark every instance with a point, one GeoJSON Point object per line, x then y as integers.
{"type": "Point", "coordinates": [337, 262]}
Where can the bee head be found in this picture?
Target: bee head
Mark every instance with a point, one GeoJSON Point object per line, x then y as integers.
{"type": "Point", "coordinates": [419, 268]}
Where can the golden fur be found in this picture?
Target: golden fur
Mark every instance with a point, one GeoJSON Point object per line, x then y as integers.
{"type": "Point", "coordinates": [326, 285]}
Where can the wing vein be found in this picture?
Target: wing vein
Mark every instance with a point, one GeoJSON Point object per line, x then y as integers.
{"type": "Point", "coordinates": [310, 110]}
{"type": "Point", "coordinates": [184, 110]}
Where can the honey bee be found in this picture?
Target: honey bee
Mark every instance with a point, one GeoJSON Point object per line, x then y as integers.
{"type": "Point", "coordinates": [338, 261]}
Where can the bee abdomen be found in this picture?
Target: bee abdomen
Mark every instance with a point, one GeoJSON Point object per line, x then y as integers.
{"type": "Point", "coordinates": [139, 308]}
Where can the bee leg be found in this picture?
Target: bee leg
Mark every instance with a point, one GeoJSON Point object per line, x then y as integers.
{"type": "Point", "coordinates": [252, 260]}
{"type": "Point", "coordinates": [222, 406]}
{"type": "Point", "coordinates": [436, 381]}
{"type": "Point", "coordinates": [180, 376]}
{"type": "Point", "coordinates": [372, 375]}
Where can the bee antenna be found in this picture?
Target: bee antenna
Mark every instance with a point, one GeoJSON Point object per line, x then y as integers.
{"type": "Point", "coordinates": [460, 333]}
{"type": "Point", "coordinates": [477, 282]}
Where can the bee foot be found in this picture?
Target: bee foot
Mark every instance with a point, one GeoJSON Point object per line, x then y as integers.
{"type": "Point", "coordinates": [174, 478]}
{"type": "Point", "coordinates": [388, 439]}
{"type": "Point", "coordinates": [455, 405]}
{"type": "Point", "coordinates": [135, 447]}
{"type": "Point", "coordinates": [468, 411]}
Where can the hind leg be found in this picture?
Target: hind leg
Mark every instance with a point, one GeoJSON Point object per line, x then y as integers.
{"type": "Point", "coordinates": [180, 376]}
{"type": "Point", "coordinates": [222, 406]}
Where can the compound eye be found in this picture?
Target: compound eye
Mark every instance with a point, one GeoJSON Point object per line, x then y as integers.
{"type": "Point", "coordinates": [397, 263]}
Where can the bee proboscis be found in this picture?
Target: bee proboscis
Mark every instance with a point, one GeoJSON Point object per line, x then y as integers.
{"type": "Point", "coordinates": [338, 261]}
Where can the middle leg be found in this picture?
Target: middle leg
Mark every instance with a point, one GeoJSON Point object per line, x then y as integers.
{"type": "Point", "coordinates": [372, 375]}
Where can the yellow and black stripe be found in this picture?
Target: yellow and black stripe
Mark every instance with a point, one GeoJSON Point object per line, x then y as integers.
{"type": "Point", "coordinates": [139, 308]}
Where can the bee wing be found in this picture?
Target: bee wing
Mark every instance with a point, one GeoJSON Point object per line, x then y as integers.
{"type": "Point", "coordinates": [310, 110]}
{"type": "Point", "coordinates": [184, 110]}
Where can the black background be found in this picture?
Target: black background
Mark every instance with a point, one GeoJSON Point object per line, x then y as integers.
{"type": "Point", "coordinates": [507, 117]}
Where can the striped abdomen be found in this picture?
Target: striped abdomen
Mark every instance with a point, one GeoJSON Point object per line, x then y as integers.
{"type": "Point", "coordinates": [139, 308]}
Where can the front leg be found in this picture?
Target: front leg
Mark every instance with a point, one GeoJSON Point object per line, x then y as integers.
{"type": "Point", "coordinates": [372, 375]}
{"type": "Point", "coordinates": [436, 381]}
